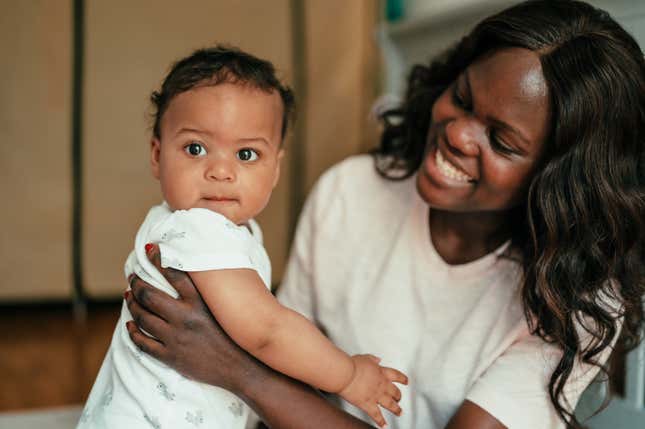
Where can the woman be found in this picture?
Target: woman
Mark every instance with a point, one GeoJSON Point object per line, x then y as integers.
{"type": "Point", "coordinates": [493, 255]}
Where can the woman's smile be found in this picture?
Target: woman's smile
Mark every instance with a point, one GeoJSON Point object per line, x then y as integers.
{"type": "Point", "coordinates": [449, 170]}
{"type": "Point", "coordinates": [442, 173]}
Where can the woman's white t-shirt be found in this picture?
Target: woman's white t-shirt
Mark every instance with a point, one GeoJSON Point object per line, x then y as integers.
{"type": "Point", "coordinates": [364, 269]}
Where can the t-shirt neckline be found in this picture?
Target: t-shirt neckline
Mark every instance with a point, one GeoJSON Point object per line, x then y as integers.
{"type": "Point", "coordinates": [421, 213]}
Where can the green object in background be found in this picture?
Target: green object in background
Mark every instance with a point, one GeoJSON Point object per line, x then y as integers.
{"type": "Point", "coordinates": [394, 10]}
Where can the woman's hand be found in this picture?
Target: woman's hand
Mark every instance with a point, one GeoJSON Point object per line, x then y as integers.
{"type": "Point", "coordinates": [186, 336]}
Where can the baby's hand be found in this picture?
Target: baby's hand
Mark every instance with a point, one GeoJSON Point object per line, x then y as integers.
{"type": "Point", "coordinates": [373, 385]}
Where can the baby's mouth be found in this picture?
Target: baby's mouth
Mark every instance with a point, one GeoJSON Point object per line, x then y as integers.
{"type": "Point", "coordinates": [220, 199]}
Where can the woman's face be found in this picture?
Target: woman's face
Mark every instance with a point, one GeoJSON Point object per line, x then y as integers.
{"type": "Point", "coordinates": [487, 135]}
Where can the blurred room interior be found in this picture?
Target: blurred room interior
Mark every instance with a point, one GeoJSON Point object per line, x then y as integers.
{"type": "Point", "coordinates": [74, 120]}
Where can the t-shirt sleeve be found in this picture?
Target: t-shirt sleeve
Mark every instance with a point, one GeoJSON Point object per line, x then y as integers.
{"type": "Point", "coordinates": [296, 289]}
{"type": "Point", "coordinates": [514, 389]}
{"type": "Point", "coordinates": [202, 240]}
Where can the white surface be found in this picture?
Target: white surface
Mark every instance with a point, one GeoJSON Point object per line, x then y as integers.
{"type": "Point", "coordinates": [49, 418]}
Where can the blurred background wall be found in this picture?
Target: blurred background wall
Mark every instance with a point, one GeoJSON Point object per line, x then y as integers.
{"type": "Point", "coordinates": [126, 49]}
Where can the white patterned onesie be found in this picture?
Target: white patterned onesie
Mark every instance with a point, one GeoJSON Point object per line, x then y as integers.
{"type": "Point", "coordinates": [134, 390]}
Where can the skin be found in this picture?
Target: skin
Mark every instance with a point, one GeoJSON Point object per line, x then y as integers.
{"type": "Point", "coordinates": [496, 93]}
{"type": "Point", "coordinates": [220, 149]}
{"type": "Point", "coordinates": [471, 127]}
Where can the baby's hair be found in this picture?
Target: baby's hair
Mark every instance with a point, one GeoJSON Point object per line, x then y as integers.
{"type": "Point", "coordinates": [213, 66]}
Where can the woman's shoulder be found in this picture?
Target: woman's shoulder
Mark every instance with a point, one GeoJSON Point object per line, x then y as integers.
{"type": "Point", "coordinates": [351, 197]}
{"type": "Point", "coordinates": [357, 179]}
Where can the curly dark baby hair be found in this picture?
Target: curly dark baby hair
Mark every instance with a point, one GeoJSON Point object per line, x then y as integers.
{"type": "Point", "coordinates": [215, 65]}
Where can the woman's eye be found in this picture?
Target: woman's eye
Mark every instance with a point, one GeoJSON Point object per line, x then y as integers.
{"type": "Point", "coordinates": [458, 99]}
{"type": "Point", "coordinates": [498, 145]}
{"type": "Point", "coordinates": [195, 149]}
{"type": "Point", "coordinates": [247, 155]}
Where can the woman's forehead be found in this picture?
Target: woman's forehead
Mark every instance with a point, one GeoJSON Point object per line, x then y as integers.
{"type": "Point", "coordinates": [509, 86]}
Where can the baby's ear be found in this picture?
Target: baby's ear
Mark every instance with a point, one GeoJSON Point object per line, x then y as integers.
{"type": "Point", "coordinates": [155, 155]}
{"type": "Point", "coordinates": [277, 171]}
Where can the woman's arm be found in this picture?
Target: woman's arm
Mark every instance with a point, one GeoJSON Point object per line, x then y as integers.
{"type": "Point", "coordinates": [470, 415]}
{"type": "Point", "coordinates": [188, 338]}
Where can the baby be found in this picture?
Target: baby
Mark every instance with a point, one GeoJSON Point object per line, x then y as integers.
{"type": "Point", "coordinates": [221, 117]}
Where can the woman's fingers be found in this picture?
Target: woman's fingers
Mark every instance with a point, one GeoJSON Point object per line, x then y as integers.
{"type": "Point", "coordinates": [145, 343]}
{"type": "Point", "coordinates": [149, 300]}
{"type": "Point", "coordinates": [179, 280]}
{"type": "Point", "coordinates": [149, 322]}
{"type": "Point", "coordinates": [394, 375]}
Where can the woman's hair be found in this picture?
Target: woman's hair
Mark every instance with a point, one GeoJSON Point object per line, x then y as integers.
{"type": "Point", "coordinates": [215, 65]}
{"type": "Point", "coordinates": [581, 228]}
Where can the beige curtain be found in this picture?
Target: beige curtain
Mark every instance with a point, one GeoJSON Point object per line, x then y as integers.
{"type": "Point", "coordinates": [128, 49]}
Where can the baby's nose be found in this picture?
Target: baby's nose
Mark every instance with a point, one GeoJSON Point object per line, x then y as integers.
{"type": "Point", "coordinates": [221, 170]}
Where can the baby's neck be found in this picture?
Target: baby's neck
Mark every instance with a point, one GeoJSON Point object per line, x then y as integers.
{"type": "Point", "coordinates": [244, 223]}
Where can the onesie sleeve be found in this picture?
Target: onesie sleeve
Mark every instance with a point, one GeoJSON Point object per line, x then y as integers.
{"type": "Point", "coordinates": [514, 389]}
{"type": "Point", "coordinates": [202, 240]}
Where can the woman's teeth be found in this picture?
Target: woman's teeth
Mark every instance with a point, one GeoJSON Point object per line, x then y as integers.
{"type": "Point", "coordinates": [449, 170]}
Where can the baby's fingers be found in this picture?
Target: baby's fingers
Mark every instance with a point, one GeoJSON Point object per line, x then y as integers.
{"type": "Point", "coordinates": [393, 392]}
{"type": "Point", "coordinates": [375, 413]}
{"type": "Point", "coordinates": [373, 358]}
{"type": "Point", "coordinates": [394, 375]}
{"type": "Point", "coordinates": [390, 404]}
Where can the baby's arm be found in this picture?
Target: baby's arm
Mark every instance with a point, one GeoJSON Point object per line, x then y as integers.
{"type": "Point", "coordinates": [286, 341]}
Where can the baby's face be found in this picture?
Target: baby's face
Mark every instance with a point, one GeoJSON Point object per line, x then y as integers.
{"type": "Point", "coordinates": [220, 149]}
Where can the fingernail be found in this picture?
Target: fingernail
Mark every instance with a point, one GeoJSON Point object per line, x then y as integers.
{"type": "Point", "coordinates": [149, 247]}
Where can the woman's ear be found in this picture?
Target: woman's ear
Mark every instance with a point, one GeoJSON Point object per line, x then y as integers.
{"type": "Point", "coordinates": [155, 155]}
{"type": "Point", "coordinates": [276, 178]}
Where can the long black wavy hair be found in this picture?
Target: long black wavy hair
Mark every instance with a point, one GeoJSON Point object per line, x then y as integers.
{"type": "Point", "coordinates": [581, 229]}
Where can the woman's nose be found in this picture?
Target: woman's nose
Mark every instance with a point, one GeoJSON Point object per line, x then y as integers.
{"type": "Point", "coordinates": [465, 135]}
{"type": "Point", "coordinates": [221, 170]}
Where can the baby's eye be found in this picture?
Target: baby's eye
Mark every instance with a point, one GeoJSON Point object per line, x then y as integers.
{"type": "Point", "coordinates": [247, 155]}
{"type": "Point", "coordinates": [195, 149]}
